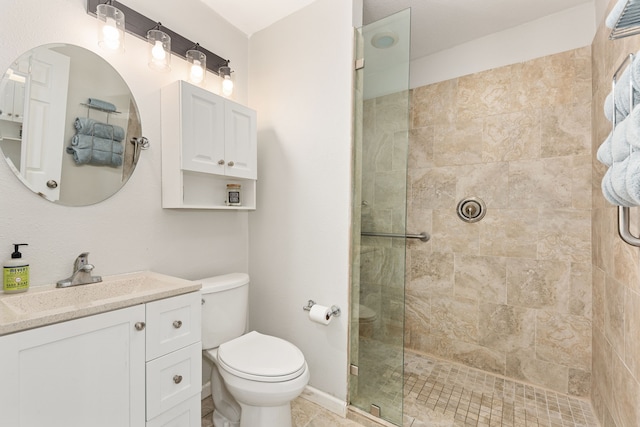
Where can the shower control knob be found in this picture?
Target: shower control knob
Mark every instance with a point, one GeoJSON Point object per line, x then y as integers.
{"type": "Point", "coordinates": [140, 326]}
{"type": "Point", "coordinates": [177, 324]}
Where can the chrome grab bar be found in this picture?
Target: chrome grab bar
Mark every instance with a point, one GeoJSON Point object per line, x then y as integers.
{"type": "Point", "coordinates": [421, 236]}
{"type": "Point", "coordinates": [624, 229]}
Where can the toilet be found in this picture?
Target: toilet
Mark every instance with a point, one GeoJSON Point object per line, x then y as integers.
{"type": "Point", "coordinates": [254, 376]}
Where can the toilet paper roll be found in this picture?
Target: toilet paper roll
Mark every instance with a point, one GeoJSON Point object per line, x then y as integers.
{"type": "Point", "coordinates": [320, 314]}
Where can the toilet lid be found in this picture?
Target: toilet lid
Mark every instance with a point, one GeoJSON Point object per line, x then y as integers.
{"type": "Point", "coordinates": [261, 357]}
{"type": "Point", "coordinates": [366, 314]}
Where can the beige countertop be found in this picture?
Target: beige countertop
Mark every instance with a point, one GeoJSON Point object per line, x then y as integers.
{"type": "Point", "coordinates": [45, 305]}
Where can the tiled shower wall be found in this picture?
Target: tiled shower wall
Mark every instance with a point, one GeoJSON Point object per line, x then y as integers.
{"type": "Point", "coordinates": [510, 294]}
{"type": "Point", "coordinates": [616, 278]}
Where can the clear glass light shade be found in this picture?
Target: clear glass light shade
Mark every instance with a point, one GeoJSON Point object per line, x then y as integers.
{"type": "Point", "coordinates": [159, 50]}
{"type": "Point", "coordinates": [227, 80]}
{"type": "Point", "coordinates": [197, 62]}
{"type": "Point", "coordinates": [110, 27]}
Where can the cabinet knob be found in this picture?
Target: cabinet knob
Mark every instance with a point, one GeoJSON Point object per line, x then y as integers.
{"type": "Point", "coordinates": [52, 184]}
{"type": "Point", "coordinates": [177, 379]}
{"type": "Point", "coordinates": [231, 163]}
{"type": "Point", "coordinates": [140, 326]}
{"type": "Point", "coordinates": [177, 324]}
{"type": "Point", "coordinates": [221, 162]}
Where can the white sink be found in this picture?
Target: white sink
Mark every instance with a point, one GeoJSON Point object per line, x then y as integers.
{"type": "Point", "coordinates": [44, 305]}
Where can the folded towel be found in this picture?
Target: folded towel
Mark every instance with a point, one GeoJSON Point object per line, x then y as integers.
{"type": "Point", "coordinates": [632, 127]}
{"type": "Point", "coordinates": [608, 193]}
{"type": "Point", "coordinates": [103, 105]}
{"type": "Point", "coordinates": [622, 92]}
{"type": "Point", "coordinates": [609, 108]}
{"type": "Point", "coordinates": [620, 148]}
{"type": "Point", "coordinates": [604, 151]}
{"type": "Point", "coordinates": [87, 149]}
{"type": "Point", "coordinates": [84, 156]}
{"type": "Point", "coordinates": [615, 13]}
{"type": "Point", "coordinates": [618, 177]}
{"type": "Point", "coordinates": [633, 178]}
{"type": "Point", "coordinates": [100, 144]}
{"type": "Point", "coordinates": [87, 126]}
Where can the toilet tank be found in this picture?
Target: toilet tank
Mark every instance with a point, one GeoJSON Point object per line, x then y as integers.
{"type": "Point", "coordinates": [224, 308]}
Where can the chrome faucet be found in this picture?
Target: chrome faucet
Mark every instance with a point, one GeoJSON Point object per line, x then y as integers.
{"type": "Point", "coordinates": [81, 273]}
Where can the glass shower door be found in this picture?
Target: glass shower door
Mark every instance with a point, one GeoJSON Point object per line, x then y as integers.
{"type": "Point", "coordinates": [381, 114]}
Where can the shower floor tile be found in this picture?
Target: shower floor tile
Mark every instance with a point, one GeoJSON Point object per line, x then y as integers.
{"type": "Point", "coordinates": [443, 394]}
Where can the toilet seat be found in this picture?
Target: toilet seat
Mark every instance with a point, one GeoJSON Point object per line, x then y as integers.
{"type": "Point", "coordinates": [258, 357]}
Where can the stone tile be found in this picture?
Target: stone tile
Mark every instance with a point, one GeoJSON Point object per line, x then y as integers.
{"type": "Point", "coordinates": [451, 234]}
{"type": "Point", "coordinates": [598, 298]}
{"type": "Point", "coordinates": [625, 408]}
{"type": "Point", "coordinates": [421, 147]}
{"type": "Point", "coordinates": [392, 112]}
{"type": "Point", "coordinates": [509, 233]}
{"type": "Point", "coordinates": [566, 130]}
{"type": "Point", "coordinates": [486, 93]}
{"type": "Point", "coordinates": [433, 188]}
{"type": "Point", "coordinates": [459, 143]}
{"type": "Point", "coordinates": [486, 181]}
{"type": "Point", "coordinates": [581, 182]}
{"type": "Point", "coordinates": [563, 339]}
{"type": "Point", "coordinates": [430, 274]}
{"type": "Point", "coordinates": [507, 328]}
{"type": "Point", "coordinates": [511, 136]}
{"type": "Point", "coordinates": [524, 366]}
{"type": "Point", "coordinates": [614, 314]}
{"type": "Point", "coordinates": [470, 354]}
{"type": "Point", "coordinates": [579, 383]}
{"type": "Point", "coordinates": [564, 235]}
{"type": "Point", "coordinates": [538, 284]}
{"type": "Point", "coordinates": [434, 104]}
{"type": "Point", "coordinates": [481, 278]}
{"type": "Point", "coordinates": [543, 183]}
{"type": "Point", "coordinates": [581, 292]}
{"type": "Point", "coordinates": [632, 331]}
{"type": "Point", "coordinates": [455, 318]}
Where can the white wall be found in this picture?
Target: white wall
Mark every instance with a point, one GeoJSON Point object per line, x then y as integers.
{"type": "Point", "coordinates": [300, 76]}
{"type": "Point", "coordinates": [130, 231]}
{"type": "Point", "coordinates": [566, 30]}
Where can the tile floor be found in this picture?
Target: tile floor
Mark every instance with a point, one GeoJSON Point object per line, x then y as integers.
{"type": "Point", "coordinates": [443, 394]}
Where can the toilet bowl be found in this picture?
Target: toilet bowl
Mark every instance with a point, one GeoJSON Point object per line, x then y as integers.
{"type": "Point", "coordinates": [255, 376]}
{"type": "Point", "coordinates": [367, 318]}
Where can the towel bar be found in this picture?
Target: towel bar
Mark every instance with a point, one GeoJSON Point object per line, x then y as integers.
{"type": "Point", "coordinates": [421, 236]}
{"type": "Point", "coordinates": [624, 227]}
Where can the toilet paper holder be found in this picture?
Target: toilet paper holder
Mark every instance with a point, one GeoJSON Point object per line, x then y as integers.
{"type": "Point", "coordinates": [335, 310]}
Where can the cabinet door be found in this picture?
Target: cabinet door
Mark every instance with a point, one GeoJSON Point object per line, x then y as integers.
{"type": "Point", "coordinates": [202, 123]}
{"type": "Point", "coordinates": [84, 372]}
{"type": "Point", "coordinates": [186, 414]}
{"type": "Point", "coordinates": [240, 141]}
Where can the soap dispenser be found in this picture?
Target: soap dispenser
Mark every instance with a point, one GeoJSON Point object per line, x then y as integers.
{"type": "Point", "coordinates": [15, 272]}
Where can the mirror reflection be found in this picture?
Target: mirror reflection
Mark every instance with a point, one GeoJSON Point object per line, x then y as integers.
{"type": "Point", "coordinates": [66, 121]}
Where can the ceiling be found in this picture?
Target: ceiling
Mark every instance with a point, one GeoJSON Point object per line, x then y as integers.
{"type": "Point", "coordinates": [435, 24]}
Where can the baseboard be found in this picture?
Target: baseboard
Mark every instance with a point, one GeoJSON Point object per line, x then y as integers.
{"type": "Point", "coordinates": [206, 390]}
{"type": "Point", "coordinates": [325, 400]}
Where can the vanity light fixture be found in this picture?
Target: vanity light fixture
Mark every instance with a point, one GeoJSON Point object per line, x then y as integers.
{"type": "Point", "coordinates": [197, 65]}
{"type": "Point", "coordinates": [159, 49]}
{"type": "Point", "coordinates": [227, 82]}
{"type": "Point", "coordinates": [138, 25]}
{"type": "Point", "coordinates": [110, 26]}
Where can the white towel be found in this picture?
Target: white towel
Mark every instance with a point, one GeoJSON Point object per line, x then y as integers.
{"type": "Point", "coordinates": [632, 128]}
{"type": "Point", "coordinates": [608, 109]}
{"type": "Point", "coordinates": [620, 148]}
{"type": "Point", "coordinates": [618, 177]}
{"type": "Point", "coordinates": [604, 151]}
{"type": "Point", "coordinates": [622, 90]}
{"type": "Point", "coordinates": [609, 193]}
{"type": "Point", "coordinates": [632, 178]}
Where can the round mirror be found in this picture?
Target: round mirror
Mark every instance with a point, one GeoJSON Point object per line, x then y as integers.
{"type": "Point", "coordinates": [67, 119]}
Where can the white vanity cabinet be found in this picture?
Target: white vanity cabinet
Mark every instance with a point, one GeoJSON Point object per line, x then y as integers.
{"type": "Point", "coordinates": [12, 101]}
{"type": "Point", "coordinates": [207, 142]}
{"type": "Point", "coordinates": [99, 371]}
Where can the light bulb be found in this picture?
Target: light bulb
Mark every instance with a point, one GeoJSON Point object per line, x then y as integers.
{"type": "Point", "coordinates": [197, 73]}
{"type": "Point", "coordinates": [227, 86]}
{"type": "Point", "coordinates": [157, 51]}
{"type": "Point", "coordinates": [111, 35]}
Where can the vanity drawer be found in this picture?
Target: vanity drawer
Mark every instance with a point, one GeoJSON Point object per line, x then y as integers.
{"type": "Point", "coordinates": [186, 414]}
{"type": "Point", "coordinates": [173, 378]}
{"type": "Point", "coordinates": [172, 323]}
